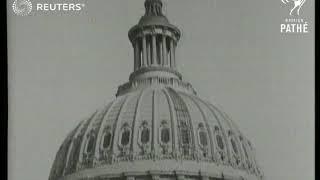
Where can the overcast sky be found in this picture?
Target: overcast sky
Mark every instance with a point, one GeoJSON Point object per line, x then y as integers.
{"type": "Point", "coordinates": [63, 68]}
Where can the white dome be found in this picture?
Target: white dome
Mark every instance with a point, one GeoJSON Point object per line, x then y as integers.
{"type": "Point", "coordinates": [157, 127]}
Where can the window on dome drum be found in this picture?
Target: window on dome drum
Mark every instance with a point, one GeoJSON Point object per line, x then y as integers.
{"type": "Point", "coordinates": [185, 136]}
{"type": "Point", "coordinates": [203, 138]}
{"type": "Point", "coordinates": [234, 146]}
{"type": "Point", "coordinates": [219, 141]}
{"type": "Point", "coordinates": [90, 145]}
{"type": "Point", "coordinates": [106, 140]}
{"type": "Point", "coordinates": [125, 138]}
{"type": "Point", "coordinates": [165, 135]}
{"type": "Point", "coordinates": [145, 136]}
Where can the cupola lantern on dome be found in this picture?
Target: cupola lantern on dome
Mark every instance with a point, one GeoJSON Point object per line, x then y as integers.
{"type": "Point", "coordinates": [154, 41]}
{"type": "Point", "coordinates": [157, 128]}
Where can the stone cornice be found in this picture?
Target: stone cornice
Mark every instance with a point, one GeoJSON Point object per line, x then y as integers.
{"type": "Point", "coordinates": [167, 29]}
{"type": "Point", "coordinates": [154, 68]}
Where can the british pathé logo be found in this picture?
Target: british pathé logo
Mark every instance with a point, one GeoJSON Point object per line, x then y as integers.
{"type": "Point", "coordinates": [295, 5]}
{"type": "Point", "coordinates": [294, 23]}
{"type": "Point", "coordinates": [22, 7]}
{"type": "Point", "coordinates": [296, 26]}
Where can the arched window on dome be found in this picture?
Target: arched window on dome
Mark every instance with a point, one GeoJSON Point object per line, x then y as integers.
{"type": "Point", "coordinates": [144, 137]}
{"type": "Point", "coordinates": [165, 135]}
{"type": "Point", "coordinates": [106, 141]}
{"type": "Point", "coordinates": [203, 138]}
{"type": "Point", "coordinates": [185, 141]}
{"type": "Point", "coordinates": [185, 136]}
{"type": "Point", "coordinates": [125, 135]}
{"type": "Point", "coordinates": [90, 144]}
{"type": "Point", "coordinates": [219, 139]}
{"type": "Point", "coordinates": [144, 134]}
{"type": "Point", "coordinates": [202, 135]}
{"type": "Point", "coordinates": [125, 138]}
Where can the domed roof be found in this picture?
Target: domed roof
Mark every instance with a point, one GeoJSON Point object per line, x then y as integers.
{"type": "Point", "coordinates": [153, 14]}
{"type": "Point", "coordinates": [156, 129]}
{"type": "Point", "coordinates": [153, 20]}
{"type": "Point", "coordinates": [153, 17]}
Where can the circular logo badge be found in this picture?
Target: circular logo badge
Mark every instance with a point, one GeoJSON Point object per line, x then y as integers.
{"type": "Point", "coordinates": [22, 7]}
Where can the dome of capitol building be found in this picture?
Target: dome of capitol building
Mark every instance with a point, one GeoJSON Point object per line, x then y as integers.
{"type": "Point", "coordinates": [157, 127]}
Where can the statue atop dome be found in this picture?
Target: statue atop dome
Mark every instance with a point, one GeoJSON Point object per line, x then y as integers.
{"type": "Point", "coordinates": [153, 7]}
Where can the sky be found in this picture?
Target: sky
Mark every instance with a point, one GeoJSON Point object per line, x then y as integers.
{"type": "Point", "coordinates": [64, 67]}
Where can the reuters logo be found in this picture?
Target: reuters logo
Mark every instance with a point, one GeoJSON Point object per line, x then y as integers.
{"type": "Point", "coordinates": [22, 7]}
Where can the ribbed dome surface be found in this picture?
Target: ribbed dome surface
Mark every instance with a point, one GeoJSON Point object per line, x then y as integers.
{"type": "Point", "coordinates": [156, 129]}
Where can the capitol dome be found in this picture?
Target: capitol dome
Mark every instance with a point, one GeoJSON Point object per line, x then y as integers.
{"type": "Point", "coordinates": [157, 127]}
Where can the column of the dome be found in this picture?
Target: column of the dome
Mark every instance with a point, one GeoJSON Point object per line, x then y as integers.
{"type": "Point", "coordinates": [140, 53]}
{"type": "Point", "coordinates": [160, 51]}
{"type": "Point", "coordinates": [168, 53]}
{"type": "Point", "coordinates": [164, 51]}
{"type": "Point", "coordinates": [172, 56]}
{"type": "Point", "coordinates": [154, 50]}
{"type": "Point", "coordinates": [148, 53]}
{"type": "Point", "coordinates": [144, 51]}
{"type": "Point", "coordinates": [136, 55]}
